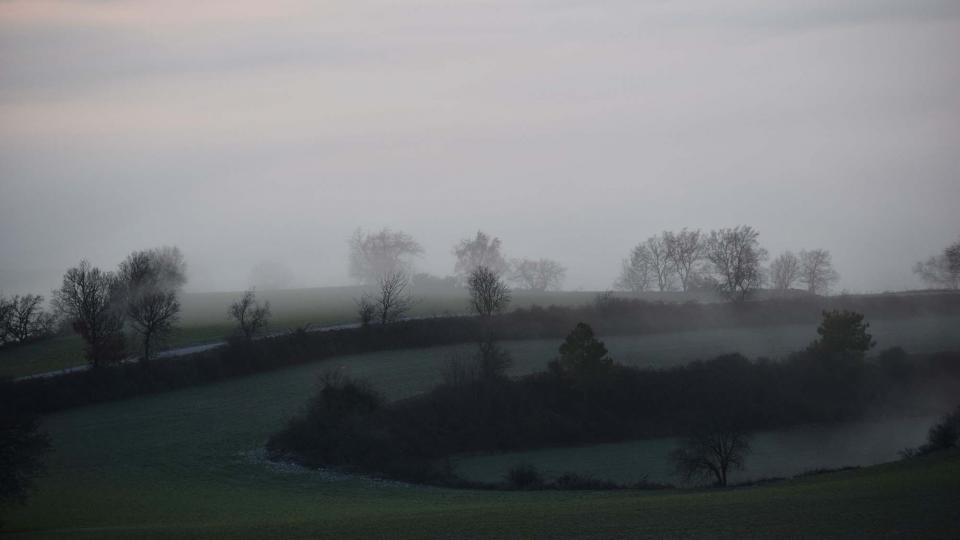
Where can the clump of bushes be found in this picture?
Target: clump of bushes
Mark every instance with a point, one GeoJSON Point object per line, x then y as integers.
{"type": "Point", "coordinates": [527, 477]}
{"type": "Point", "coordinates": [943, 435]}
{"type": "Point", "coordinates": [523, 476]}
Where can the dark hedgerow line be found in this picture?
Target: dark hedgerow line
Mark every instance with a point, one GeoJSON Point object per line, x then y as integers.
{"type": "Point", "coordinates": [609, 316]}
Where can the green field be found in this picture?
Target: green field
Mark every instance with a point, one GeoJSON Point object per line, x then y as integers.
{"type": "Point", "coordinates": [204, 319]}
{"type": "Point", "coordinates": [188, 464]}
{"type": "Point", "coordinates": [915, 335]}
{"type": "Point", "coordinates": [775, 454]}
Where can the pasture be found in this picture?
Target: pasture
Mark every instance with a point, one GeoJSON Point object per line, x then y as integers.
{"type": "Point", "coordinates": [189, 464]}
{"type": "Point", "coordinates": [204, 319]}
{"type": "Point", "coordinates": [774, 454]}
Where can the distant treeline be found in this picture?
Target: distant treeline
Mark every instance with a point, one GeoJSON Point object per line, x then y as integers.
{"type": "Point", "coordinates": [348, 425]}
{"type": "Point", "coordinates": [608, 316]}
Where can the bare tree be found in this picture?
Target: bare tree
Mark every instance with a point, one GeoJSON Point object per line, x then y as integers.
{"type": "Point", "coordinates": [92, 301]}
{"type": "Point", "coordinates": [952, 254]}
{"type": "Point", "coordinates": [659, 262]}
{"type": "Point", "coordinates": [366, 310]}
{"type": "Point", "coordinates": [24, 319]}
{"type": "Point", "coordinates": [816, 271]}
{"type": "Point", "coordinates": [488, 293]}
{"type": "Point", "coordinates": [711, 451]}
{"type": "Point", "coordinates": [151, 282]}
{"type": "Point", "coordinates": [392, 301]}
{"type": "Point", "coordinates": [6, 312]}
{"type": "Point", "coordinates": [635, 271]}
{"type": "Point", "coordinates": [685, 250]}
{"type": "Point", "coordinates": [942, 270]}
{"type": "Point", "coordinates": [785, 271]}
{"type": "Point", "coordinates": [537, 275]}
{"type": "Point", "coordinates": [375, 255]}
{"type": "Point", "coordinates": [480, 251]}
{"type": "Point", "coordinates": [251, 316]}
{"type": "Point", "coordinates": [736, 256]}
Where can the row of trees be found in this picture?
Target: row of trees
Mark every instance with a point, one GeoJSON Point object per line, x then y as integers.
{"type": "Point", "coordinates": [375, 255]}
{"type": "Point", "coordinates": [23, 319]}
{"type": "Point", "coordinates": [142, 295]}
{"type": "Point", "coordinates": [729, 260]}
{"type": "Point", "coordinates": [390, 300]}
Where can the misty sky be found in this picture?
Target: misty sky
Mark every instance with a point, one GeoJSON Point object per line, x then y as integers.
{"type": "Point", "coordinates": [248, 130]}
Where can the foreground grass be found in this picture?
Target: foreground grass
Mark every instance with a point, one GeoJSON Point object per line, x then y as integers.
{"type": "Point", "coordinates": [188, 464]}
{"type": "Point", "coordinates": [914, 499]}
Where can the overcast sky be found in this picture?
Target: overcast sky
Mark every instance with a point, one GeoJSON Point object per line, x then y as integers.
{"type": "Point", "coordinates": [247, 130]}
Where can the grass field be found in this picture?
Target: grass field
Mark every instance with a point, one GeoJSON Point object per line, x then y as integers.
{"type": "Point", "coordinates": [915, 335]}
{"type": "Point", "coordinates": [187, 464]}
{"type": "Point", "coordinates": [204, 319]}
{"type": "Point", "coordinates": [775, 454]}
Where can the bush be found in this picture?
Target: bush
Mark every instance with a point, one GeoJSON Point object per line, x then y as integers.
{"type": "Point", "coordinates": [946, 433]}
{"type": "Point", "coordinates": [574, 481]}
{"type": "Point", "coordinates": [524, 476]}
{"type": "Point", "coordinates": [943, 435]}
{"type": "Point", "coordinates": [23, 448]}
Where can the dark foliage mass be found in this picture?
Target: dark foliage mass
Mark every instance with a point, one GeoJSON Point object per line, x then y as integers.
{"type": "Point", "coordinates": [608, 316]}
{"type": "Point", "coordinates": [943, 435]}
{"type": "Point", "coordinates": [606, 402]}
{"type": "Point", "coordinates": [524, 476]}
{"type": "Point", "coordinates": [22, 448]}
{"type": "Point", "coordinates": [843, 332]}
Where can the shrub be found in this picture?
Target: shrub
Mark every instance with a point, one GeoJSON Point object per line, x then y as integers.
{"type": "Point", "coordinates": [946, 433]}
{"type": "Point", "coordinates": [524, 476]}
{"type": "Point", "coordinates": [574, 481]}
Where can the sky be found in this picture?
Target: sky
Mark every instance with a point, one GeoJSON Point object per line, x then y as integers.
{"type": "Point", "coordinates": [245, 131]}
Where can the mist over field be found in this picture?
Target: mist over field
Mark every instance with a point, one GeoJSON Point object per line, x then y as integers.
{"type": "Point", "coordinates": [245, 132]}
{"type": "Point", "coordinates": [479, 269]}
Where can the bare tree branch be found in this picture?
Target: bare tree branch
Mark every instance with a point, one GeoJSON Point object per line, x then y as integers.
{"type": "Point", "coordinates": [252, 317]}
{"type": "Point", "coordinates": [816, 271]}
{"type": "Point", "coordinates": [375, 255]}
{"type": "Point", "coordinates": [685, 250]}
{"type": "Point", "coordinates": [488, 293]}
{"type": "Point", "coordinates": [785, 271]}
{"type": "Point", "coordinates": [151, 282]}
{"type": "Point", "coordinates": [537, 275]}
{"type": "Point", "coordinates": [393, 301]}
{"type": "Point", "coordinates": [480, 251]}
{"type": "Point", "coordinates": [92, 301]}
{"type": "Point", "coordinates": [736, 256]}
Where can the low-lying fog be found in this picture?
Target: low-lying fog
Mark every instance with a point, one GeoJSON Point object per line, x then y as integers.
{"type": "Point", "coordinates": [781, 453]}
